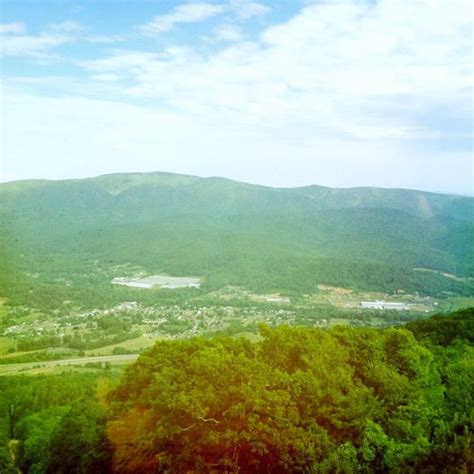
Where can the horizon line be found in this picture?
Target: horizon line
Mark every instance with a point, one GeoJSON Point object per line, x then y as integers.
{"type": "Point", "coordinates": [394, 188]}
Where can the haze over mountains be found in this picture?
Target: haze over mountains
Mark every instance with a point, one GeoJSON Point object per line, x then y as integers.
{"type": "Point", "coordinates": [240, 234]}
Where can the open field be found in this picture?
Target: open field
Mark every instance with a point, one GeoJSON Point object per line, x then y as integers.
{"type": "Point", "coordinates": [132, 345]}
{"type": "Point", "coordinates": [16, 354]}
{"type": "Point", "coordinates": [456, 302]}
{"type": "Point", "coordinates": [5, 344]}
{"type": "Point", "coordinates": [160, 281]}
{"type": "Point", "coordinates": [10, 369]}
{"type": "Point", "coordinates": [345, 298]}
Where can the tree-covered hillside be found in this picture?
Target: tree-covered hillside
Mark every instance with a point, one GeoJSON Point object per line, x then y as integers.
{"type": "Point", "coordinates": [299, 400]}
{"type": "Point", "coordinates": [265, 239]}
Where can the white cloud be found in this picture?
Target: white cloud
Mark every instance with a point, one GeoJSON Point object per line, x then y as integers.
{"type": "Point", "coordinates": [185, 13]}
{"type": "Point", "coordinates": [12, 28]}
{"type": "Point", "coordinates": [92, 137]}
{"type": "Point", "coordinates": [105, 39]}
{"type": "Point", "coordinates": [66, 27]}
{"type": "Point", "coordinates": [105, 77]}
{"type": "Point", "coordinates": [246, 9]}
{"type": "Point", "coordinates": [123, 61]}
{"type": "Point", "coordinates": [340, 67]}
{"type": "Point", "coordinates": [228, 32]}
{"type": "Point", "coordinates": [343, 93]}
{"type": "Point", "coordinates": [31, 45]}
{"type": "Point", "coordinates": [345, 71]}
{"type": "Point", "coordinates": [15, 42]}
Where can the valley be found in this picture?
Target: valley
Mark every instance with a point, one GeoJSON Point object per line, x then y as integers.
{"type": "Point", "coordinates": [186, 308]}
{"type": "Point", "coordinates": [109, 265]}
{"type": "Point", "coordinates": [33, 338]}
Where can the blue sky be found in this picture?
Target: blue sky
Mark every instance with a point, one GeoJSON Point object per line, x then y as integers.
{"type": "Point", "coordinates": [284, 93]}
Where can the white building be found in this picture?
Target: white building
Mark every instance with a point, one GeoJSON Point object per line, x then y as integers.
{"type": "Point", "coordinates": [384, 305]}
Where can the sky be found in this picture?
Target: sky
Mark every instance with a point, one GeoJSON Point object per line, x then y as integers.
{"type": "Point", "coordinates": [339, 93]}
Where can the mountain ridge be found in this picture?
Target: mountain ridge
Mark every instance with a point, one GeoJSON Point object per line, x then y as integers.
{"type": "Point", "coordinates": [426, 203]}
{"type": "Point", "coordinates": [266, 238]}
{"type": "Point", "coordinates": [217, 177]}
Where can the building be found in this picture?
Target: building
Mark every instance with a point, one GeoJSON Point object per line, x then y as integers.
{"type": "Point", "coordinates": [384, 305]}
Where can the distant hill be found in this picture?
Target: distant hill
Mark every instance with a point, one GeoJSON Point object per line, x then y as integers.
{"type": "Point", "coordinates": [236, 233]}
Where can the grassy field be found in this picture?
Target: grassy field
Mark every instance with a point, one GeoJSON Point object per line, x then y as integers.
{"type": "Point", "coordinates": [47, 366]}
{"type": "Point", "coordinates": [133, 345]}
{"type": "Point", "coordinates": [456, 302]}
{"type": "Point", "coordinates": [20, 353]}
{"type": "Point", "coordinates": [5, 344]}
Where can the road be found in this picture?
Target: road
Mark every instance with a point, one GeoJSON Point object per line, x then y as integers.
{"type": "Point", "coordinates": [6, 369]}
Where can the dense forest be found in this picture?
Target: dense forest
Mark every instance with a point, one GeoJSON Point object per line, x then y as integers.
{"type": "Point", "coordinates": [66, 240]}
{"type": "Point", "coordinates": [300, 400]}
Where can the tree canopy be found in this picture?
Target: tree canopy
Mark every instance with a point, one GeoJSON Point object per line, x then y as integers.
{"type": "Point", "coordinates": [299, 400]}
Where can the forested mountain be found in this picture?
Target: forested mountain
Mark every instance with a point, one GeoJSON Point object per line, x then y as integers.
{"type": "Point", "coordinates": [199, 194]}
{"type": "Point", "coordinates": [236, 233]}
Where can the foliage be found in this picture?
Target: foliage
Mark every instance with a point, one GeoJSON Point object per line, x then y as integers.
{"type": "Point", "coordinates": [67, 240]}
{"type": "Point", "coordinates": [297, 400]}
{"type": "Point", "coordinates": [58, 420]}
{"type": "Point", "coordinates": [343, 400]}
{"type": "Point", "coordinates": [444, 329]}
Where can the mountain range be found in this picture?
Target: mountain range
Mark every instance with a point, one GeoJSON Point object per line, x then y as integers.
{"type": "Point", "coordinates": [233, 233]}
